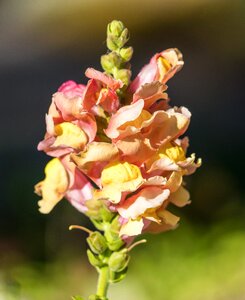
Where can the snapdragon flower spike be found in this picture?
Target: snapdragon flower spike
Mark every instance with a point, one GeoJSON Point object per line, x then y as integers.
{"type": "Point", "coordinates": [119, 152]}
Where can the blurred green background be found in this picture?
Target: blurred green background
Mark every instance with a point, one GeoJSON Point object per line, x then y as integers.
{"type": "Point", "coordinates": [44, 43]}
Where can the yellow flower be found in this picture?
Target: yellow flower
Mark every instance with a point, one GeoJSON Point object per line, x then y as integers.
{"type": "Point", "coordinates": [70, 135]}
{"type": "Point", "coordinates": [53, 187]}
{"type": "Point", "coordinates": [119, 177]}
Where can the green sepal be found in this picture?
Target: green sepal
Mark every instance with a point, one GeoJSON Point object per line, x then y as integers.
{"type": "Point", "coordinates": [98, 224]}
{"type": "Point", "coordinates": [117, 276]}
{"type": "Point", "coordinates": [118, 260]}
{"type": "Point", "coordinates": [115, 245]}
{"type": "Point", "coordinates": [97, 242]}
{"type": "Point", "coordinates": [110, 61]}
{"type": "Point", "coordinates": [126, 53]}
{"type": "Point", "coordinates": [77, 298]}
{"type": "Point", "coordinates": [94, 259]}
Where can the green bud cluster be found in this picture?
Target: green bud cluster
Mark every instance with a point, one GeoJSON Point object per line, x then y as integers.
{"type": "Point", "coordinates": [108, 250]}
{"type": "Point", "coordinates": [116, 62]}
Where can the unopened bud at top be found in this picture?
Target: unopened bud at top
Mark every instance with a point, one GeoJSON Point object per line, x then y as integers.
{"type": "Point", "coordinates": [117, 35]}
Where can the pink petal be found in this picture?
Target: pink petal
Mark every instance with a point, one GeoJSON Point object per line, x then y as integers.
{"type": "Point", "coordinates": [105, 79]}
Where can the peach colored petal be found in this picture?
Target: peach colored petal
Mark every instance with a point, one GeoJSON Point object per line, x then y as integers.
{"type": "Point", "coordinates": [132, 228]}
{"type": "Point", "coordinates": [150, 93]}
{"type": "Point", "coordinates": [87, 123]}
{"type": "Point", "coordinates": [69, 108]}
{"type": "Point", "coordinates": [180, 198]}
{"type": "Point", "coordinates": [168, 217]}
{"type": "Point", "coordinates": [135, 149]}
{"type": "Point", "coordinates": [125, 114]}
{"type": "Point", "coordinates": [108, 100]}
{"type": "Point", "coordinates": [174, 181]}
{"type": "Point", "coordinates": [164, 126]}
{"type": "Point", "coordinates": [147, 198]}
{"type": "Point", "coordinates": [161, 67]}
{"type": "Point", "coordinates": [94, 158]}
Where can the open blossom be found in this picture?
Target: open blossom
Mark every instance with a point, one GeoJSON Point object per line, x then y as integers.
{"type": "Point", "coordinates": [161, 67]}
{"type": "Point", "coordinates": [132, 156]}
{"type": "Point", "coordinates": [63, 179]}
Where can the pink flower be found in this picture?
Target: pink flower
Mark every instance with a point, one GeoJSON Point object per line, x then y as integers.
{"type": "Point", "coordinates": [70, 124]}
{"type": "Point", "coordinates": [161, 68]}
{"type": "Point", "coordinates": [104, 90]}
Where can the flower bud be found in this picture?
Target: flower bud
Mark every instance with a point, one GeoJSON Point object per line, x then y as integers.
{"type": "Point", "coordinates": [115, 28]}
{"type": "Point", "coordinates": [126, 53]}
{"type": "Point", "coordinates": [97, 242]}
{"type": "Point", "coordinates": [124, 75]}
{"type": "Point", "coordinates": [118, 261]}
{"type": "Point", "coordinates": [122, 40]}
{"type": "Point", "coordinates": [110, 61]}
{"type": "Point", "coordinates": [117, 35]}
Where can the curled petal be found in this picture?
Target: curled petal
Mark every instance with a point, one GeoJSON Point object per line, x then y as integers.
{"type": "Point", "coordinates": [174, 181]}
{"type": "Point", "coordinates": [168, 222]}
{"type": "Point", "coordinates": [164, 126]}
{"type": "Point", "coordinates": [87, 123]}
{"type": "Point", "coordinates": [69, 108]}
{"type": "Point", "coordinates": [180, 198]}
{"type": "Point", "coordinates": [161, 68]}
{"type": "Point", "coordinates": [80, 189]}
{"type": "Point", "coordinates": [108, 100]}
{"type": "Point", "coordinates": [150, 93]}
{"type": "Point", "coordinates": [71, 89]}
{"type": "Point", "coordinates": [189, 165]}
{"type": "Point", "coordinates": [117, 178]}
{"type": "Point", "coordinates": [105, 79]}
{"type": "Point", "coordinates": [94, 158]}
{"type": "Point", "coordinates": [128, 113]}
{"type": "Point", "coordinates": [147, 198]}
{"type": "Point", "coordinates": [135, 149]}
{"type": "Point", "coordinates": [67, 138]}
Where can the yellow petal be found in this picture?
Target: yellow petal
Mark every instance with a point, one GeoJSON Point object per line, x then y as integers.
{"type": "Point", "coordinates": [70, 135]}
{"type": "Point", "coordinates": [53, 187]}
{"type": "Point", "coordinates": [118, 177]}
{"type": "Point", "coordinates": [180, 198]}
{"type": "Point", "coordinates": [96, 152]}
{"type": "Point", "coordinates": [145, 115]}
{"type": "Point", "coordinates": [117, 172]}
{"type": "Point", "coordinates": [168, 217]}
{"type": "Point", "coordinates": [132, 227]}
{"type": "Point", "coordinates": [164, 66]}
{"type": "Point", "coordinates": [170, 151]}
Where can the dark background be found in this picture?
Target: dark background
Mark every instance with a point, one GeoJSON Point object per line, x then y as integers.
{"type": "Point", "coordinates": [44, 43]}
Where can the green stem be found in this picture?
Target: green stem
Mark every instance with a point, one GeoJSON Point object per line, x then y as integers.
{"type": "Point", "coordinates": [103, 282]}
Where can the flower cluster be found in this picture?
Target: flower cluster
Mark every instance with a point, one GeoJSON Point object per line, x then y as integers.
{"type": "Point", "coordinates": [119, 142]}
